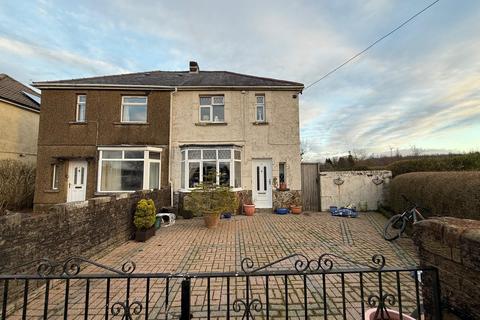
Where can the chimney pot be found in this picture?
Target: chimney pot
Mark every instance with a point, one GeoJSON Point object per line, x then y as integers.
{"type": "Point", "coordinates": [194, 68]}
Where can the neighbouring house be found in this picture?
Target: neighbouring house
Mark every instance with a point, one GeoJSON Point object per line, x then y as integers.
{"type": "Point", "coordinates": [107, 134]}
{"type": "Point", "coordinates": [101, 136]}
{"type": "Point", "coordinates": [20, 107]}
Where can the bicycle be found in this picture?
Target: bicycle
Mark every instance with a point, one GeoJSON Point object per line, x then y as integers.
{"type": "Point", "coordinates": [396, 225]}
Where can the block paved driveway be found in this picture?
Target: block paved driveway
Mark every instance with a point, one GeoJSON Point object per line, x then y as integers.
{"type": "Point", "coordinates": [189, 247]}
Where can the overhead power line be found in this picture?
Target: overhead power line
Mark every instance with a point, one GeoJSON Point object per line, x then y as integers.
{"type": "Point", "coordinates": [371, 45]}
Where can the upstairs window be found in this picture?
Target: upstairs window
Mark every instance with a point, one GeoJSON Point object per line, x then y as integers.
{"type": "Point", "coordinates": [260, 108]}
{"type": "Point", "coordinates": [134, 109]}
{"type": "Point", "coordinates": [212, 109]}
{"type": "Point", "coordinates": [81, 108]}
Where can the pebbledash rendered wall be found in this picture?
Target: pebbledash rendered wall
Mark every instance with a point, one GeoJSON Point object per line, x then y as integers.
{"type": "Point", "coordinates": [453, 246]}
{"type": "Point", "coordinates": [358, 188]}
{"type": "Point", "coordinates": [71, 229]}
{"type": "Point", "coordinates": [277, 139]}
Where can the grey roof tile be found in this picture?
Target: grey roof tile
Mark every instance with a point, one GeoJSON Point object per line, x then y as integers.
{"type": "Point", "coordinates": [16, 92]}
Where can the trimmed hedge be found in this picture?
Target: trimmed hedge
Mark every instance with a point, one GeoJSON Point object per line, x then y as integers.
{"type": "Point", "coordinates": [465, 162]}
{"type": "Point", "coordinates": [454, 194]}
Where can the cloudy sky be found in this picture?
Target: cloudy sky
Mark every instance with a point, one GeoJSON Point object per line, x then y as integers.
{"type": "Point", "coordinates": [420, 87]}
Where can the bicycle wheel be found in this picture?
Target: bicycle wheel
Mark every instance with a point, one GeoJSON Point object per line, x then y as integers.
{"type": "Point", "coordinates": [394, 227]}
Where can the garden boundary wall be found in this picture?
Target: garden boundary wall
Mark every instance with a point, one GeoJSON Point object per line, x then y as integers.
{"type": "Point", "coordinates": [71, 229]}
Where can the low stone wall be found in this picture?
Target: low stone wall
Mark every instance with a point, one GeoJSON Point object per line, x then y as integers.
{"type": "Point", "coordinates": [70, 229]}
{"type": "Point", "coordinates": [453, 246]}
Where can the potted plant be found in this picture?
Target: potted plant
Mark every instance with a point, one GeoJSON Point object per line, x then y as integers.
{"type": "Point", "coordinates": [295, 208]}
{"type": "Point", "coordinates": [144, 220]}
{"type": "Point", "coordinates": [211, 200]}
{"type": "Point", "coordinates": [249, 208]}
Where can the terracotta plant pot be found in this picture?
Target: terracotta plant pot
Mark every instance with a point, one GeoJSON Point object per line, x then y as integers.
{"type": "Point", "coordinates": [282, 186]}
{"type": "Point", "coordinates": [296, 209]}
{"type": "Point", "coordinates": [249, 209]}
{"type": "Point", "coordinates": [392, 315]}
{"type": "Point", "coordinates": [211, 220]}
{"type": "Point", "coordinates": [144, 235]}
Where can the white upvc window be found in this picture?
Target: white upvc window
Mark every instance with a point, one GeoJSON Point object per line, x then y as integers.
{"type": "Point", "coordinates": [55, 177]}
{"type": "Point", "coordinates": [134, 109]}
{"type": "Point", "coordinates": [212, 109]}
{"type": "Point", "coordinates": [81, 110]}
{"type": "Point", "coordinates": [260, 108]}
{"type": "Point", "coordinates": [198, 164]}
{"type": "Point", "coordinates": [128, 169]}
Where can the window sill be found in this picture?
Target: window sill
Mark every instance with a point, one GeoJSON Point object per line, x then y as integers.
{"type": "Point", "coordinates": [260, 123]}
{"type": "Point", "coordinates": [211, 123]}
{"type": "Point", "coordinates": [52, 191]}
{"type": "Point", "coordinates": [80, 123]}
{"type": "Point", "coordinates": [132, 123]}
{"type": "Point", "coordinates": [191, 189]}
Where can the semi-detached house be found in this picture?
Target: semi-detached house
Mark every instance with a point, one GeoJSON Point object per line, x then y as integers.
{"type": "Point", "coordinates": [150, 130]}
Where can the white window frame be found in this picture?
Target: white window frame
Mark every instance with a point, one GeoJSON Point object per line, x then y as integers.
{"type": "Point", "coordinates": [232, 162]}
{"type": "Point", "coordinates": [77, 109]}
{"type": "Point", "coordinates": [138, 104]}
{"type": "Point", "coordinates": [54, 176]}
{"type": "Point", "coordinates": [260, 105]}
{"type": "Point", "coordinates": [146, 165]}
{"type": "Point", "coordinates": [210, 107]}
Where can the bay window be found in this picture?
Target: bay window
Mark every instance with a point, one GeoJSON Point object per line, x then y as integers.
{"type": "Point", "coordinates": [129, 169]}
{"type": "Point", "coordinates": [221, 164]}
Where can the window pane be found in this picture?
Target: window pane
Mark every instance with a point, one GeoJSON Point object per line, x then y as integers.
{"type": "Point", "coordinates": [193, 174]}
{"type": "Point", "coordinates": [224, 170]}
{"type": "Point", "coordinates": [182, 175]}
{"type": "Point", "coordinates": [224, 154]}
{"type": "Point", "coordinates": [238, 174]}
{"type": "Point", "coordinates": [218, 100]}
{"type": "Point", "coordinates": [205, 113]}
{"type": "Point", "coordinates": [112, 154]}
{"type": "Point", "coordinates": [238, 155]}
{"type": "Point", "coordinates": [281, 170]}
{"type": "Point", "coordinates": [260, 113]}
{"type": "Point", "coordinates": [205, 101]}
{"type": "Point", "coordinates": [183, 155]}
{"type": "Point", "coordinates": [210, 154]}
{"type": "Point", "coordinates": [122, 176]}
{"type": "Point", "coordinates": [209, 171]}
{"type": "Point", "coordinates": [82, 98]}
{"type": "Point", "coordinates": [154, 155]}
{"type": "Point", "coordinates": [134, 100]}
{"type": "Point", "coordinates": [154, 182]}
{"type": "Point", "coordinates": [218, 114]}
{"type": "Point", "coordinates": [193, 154]}
{"type": "Point", "coordinates": [134, 113]}
{"type": "Point", "coordinates": [81, 112]}
{"type": "Point", "coordinates": [134, 154]}
{"type": "Point", "coordinates": [260, 99]}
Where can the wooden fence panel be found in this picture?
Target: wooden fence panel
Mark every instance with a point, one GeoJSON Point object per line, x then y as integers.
{"type": "Point", "coordinates": [310, 187]}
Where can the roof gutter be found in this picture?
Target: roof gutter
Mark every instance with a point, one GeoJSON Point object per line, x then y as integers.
{"type": "Point", "coordinates": [44, 85]}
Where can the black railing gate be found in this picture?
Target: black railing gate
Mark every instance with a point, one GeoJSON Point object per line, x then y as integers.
{"type": "Point", "coordinates": [294, 287]}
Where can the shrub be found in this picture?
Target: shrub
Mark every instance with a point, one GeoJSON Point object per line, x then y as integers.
{"type": "Point", "coordinates": [455, 194]}
{"type": "Point", "coordinates": [17, 185]}
{"type": "Point", "coordinates": [466, 162]}
{"type": "Point", "coordinates": [209, 198]}
{"type": "Point", "coordinates": [144, 214]}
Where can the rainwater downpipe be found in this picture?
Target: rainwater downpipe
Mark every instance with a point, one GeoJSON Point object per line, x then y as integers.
{"type": "Point", "coordinates": [170, 153]}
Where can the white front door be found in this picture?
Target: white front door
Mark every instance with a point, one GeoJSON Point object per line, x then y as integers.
{"type": "Point", "coordinates": [262, 183]}
{"type": "Point", "coordinates": [77, 181]}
